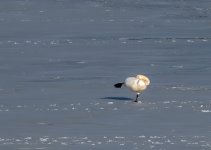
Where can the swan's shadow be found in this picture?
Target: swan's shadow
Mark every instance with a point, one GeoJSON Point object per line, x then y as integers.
{"type": "Point", "coordinates": [117, 98]}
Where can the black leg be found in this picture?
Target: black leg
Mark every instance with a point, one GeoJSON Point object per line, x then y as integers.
{"type": "Point", "coordinates": [136, 100]}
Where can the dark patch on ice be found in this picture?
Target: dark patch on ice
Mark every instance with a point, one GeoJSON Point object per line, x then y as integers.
{"type": "Point", "coordinates": [118, 98]}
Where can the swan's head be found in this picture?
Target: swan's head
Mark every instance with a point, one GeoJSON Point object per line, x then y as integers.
{"type": "Point", "coordinates": [144, 78]}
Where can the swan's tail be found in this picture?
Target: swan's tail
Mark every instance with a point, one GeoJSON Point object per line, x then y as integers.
{"type": "Point", "coordinates": [118, 85]}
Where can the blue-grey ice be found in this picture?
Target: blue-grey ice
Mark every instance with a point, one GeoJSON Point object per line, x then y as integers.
{"type": "Point", "coordinates": [59, 60]}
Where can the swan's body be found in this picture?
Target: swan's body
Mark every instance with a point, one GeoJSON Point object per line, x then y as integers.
{"type": "Point", "coordinates": [137, 84]}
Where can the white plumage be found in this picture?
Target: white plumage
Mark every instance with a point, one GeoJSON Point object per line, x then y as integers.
{"type": "Point", "coordinates": [136, 84]}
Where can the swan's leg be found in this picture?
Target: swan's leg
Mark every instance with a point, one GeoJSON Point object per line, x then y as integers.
{"type": "Point", "coordinates": [136, 100]}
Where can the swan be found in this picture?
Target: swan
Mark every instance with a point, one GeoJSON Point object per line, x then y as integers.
{"type": "Point", "coordinates": [136, 84]}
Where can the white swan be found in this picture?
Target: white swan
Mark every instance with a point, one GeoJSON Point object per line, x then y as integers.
{"type": "Point", "coordinates": [137, 84]}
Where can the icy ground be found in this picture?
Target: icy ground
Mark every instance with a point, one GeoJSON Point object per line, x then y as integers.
{"type": "Point", "coordinates": [59, 60]}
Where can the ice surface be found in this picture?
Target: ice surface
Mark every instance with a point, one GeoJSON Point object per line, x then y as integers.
{"type": "Point", "coordinates": [59, 61]}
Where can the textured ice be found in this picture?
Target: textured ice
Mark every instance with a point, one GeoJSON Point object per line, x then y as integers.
{"type": "Point", "coordinates": [206, 111]}
{"type": "Point", "coordinates": [110, 103]}
{"type": "Point", "coordinates": [130, 142]}
{"type": "Point", "coordinates": [60, 59]}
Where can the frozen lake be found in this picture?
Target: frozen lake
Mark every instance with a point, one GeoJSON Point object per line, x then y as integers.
{"type": "Point", "coordinates": [59, 60]}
